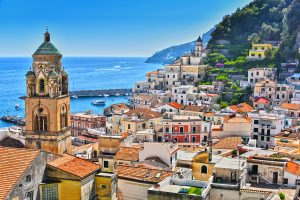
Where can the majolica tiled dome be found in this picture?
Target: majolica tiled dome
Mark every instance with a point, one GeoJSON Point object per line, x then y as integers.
{"type": "Point", "coordinates": [53, 74]}
{"type": "Point", "coordinates": [47, 48]}
{"type": "Point", "coordinates": [64, 73]}
{"type": "Point", "coordinates": [30, 74]}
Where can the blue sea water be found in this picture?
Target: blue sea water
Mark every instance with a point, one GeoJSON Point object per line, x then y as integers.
{"type": "Point", "coordinates": [84, 73]}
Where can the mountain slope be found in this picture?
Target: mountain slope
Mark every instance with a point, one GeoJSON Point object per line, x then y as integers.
{"type": "Point", "coordinates": [261, 20]}
{"type": "Point", "coordinates": [169, 55]}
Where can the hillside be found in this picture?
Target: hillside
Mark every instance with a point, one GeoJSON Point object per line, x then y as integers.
{"type": "Point", "coordinates": [261, 20]}
{"type": "Point", "coordinates": [170, 54]}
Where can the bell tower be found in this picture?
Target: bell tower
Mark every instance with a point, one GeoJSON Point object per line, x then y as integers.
{"type": "Point", "coordinates": [198, 47]}
{"type": "Point", "coordinates": [47, 101]}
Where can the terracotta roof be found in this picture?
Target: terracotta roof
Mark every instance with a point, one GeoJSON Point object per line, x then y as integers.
{"type": "Point", "coordinates": [13, 163]}
{"type": "Point", "coordinates": [293, 168]}
{"type": "Point", "coordinates": [291, 106]}
{"type": "Point", "coordinates": [193, 108]}
{"type": "Point", "coordinates": [153, 72]}
{"type": "Point", "coordinates": [143, 174]}
{"type": "Point", "coordinates": [82, 137]}
{"type": "Point", "coordinates": [228, 143]}
{"type": "Point", "coordinates": [211, 95]}
{"type": "Point", "coordinates": [175, 105]}
{"type": "Point", "coordinates": [144, 113]}
{"type": "Point", "coordinates": [241, 108]}
{"type": "Point", "coordinates": [128, 153]}
{"type": "Point", "coordinates": [238, 120]}
{"type": "Point", "coordinates": [209, 114]}
{"type": "Point", "coordinates": [261, 100]}
{"type": "Point", "coordinates": [74, 165]}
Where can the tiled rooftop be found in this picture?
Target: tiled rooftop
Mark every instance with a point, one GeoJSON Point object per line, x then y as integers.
{"type": "Point", "coordinates": [13, 163]}
{"type": "Point", "coordinates": [75, 166]}
{"type": "Point", "coordinates": [128, 154]}
{"type": "Point", "coordinates": [142, 174]}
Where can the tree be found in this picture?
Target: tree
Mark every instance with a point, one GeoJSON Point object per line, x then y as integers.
{"type": "Point", "coordinates": [254, 38]}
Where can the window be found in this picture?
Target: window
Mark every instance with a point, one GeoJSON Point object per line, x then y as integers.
{"type": "Point", "coordinates": [262, 131]}
{"type": "Point", "coordinates": [268, 131]}
{"type": "Point", "coordinates": [128, 126]}
{"type": "Point", "coordinates": [175, 140]}
{"type": "Point", "coordinates": [50, 192]}
{"type": "Point", "coordinates": [102, 187]}
{"type": "Point", "coordinates": [42, 86]}
{"type": "Point", "coordinates": [171, 159]}
{"type": "Point", "coordinates": [28, 178]}
{"type": "Point", "coordinates": [194, 129]}
{"type": "Point", "coordinates": [194, 139]}
{"type": "Point", "coordinates": [262, 138]}
{"type": "Point", "coordinates": [105, 164]}
{"type": "Point", "coordinates": [278, 88]}
{"type": "Point", "coordinates": [283, 88]}
{"type": "Point", "coordinates": [204, 169]}
{"type": "Point", "coordinates": [285, 181]}
{"type": "Point", "coordinates": [268, 139]}
{"type": "Point", "coordinates": [181, 129]}
{"type": "Point", "coordinates": [167, 129]}
{"type": "Point", "coordinates": [173, 76]}
{"type": "Point", "coordinates": [255, 137]}
{"type": "Point", "coordinates": [29, 195]}
{"type": "Point", "coordinates": [255, 121]}
{"type": "Point", "coordinates": [255, 130]}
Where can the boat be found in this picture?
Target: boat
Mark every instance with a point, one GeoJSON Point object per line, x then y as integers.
{"type": "Point", "coordinates": [74, 97]}
{"type": "Point", "coordinates": [118, 94]}
{"type": "Point", "coordinates": [98, 102]}
{"type": "Point", "coordinates": [106, 95]}
{"type": "Point", "coordinates": [17, 107]}
{"type": "Point", "coordinates": [100, 95]}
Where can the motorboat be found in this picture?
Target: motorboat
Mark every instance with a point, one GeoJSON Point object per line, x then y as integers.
{"type": "Point", "coordinates": [106, 95]}
{"type": "Point", "coordinates": [74, 97]}
{"type": "Point", "coordinates": [17, 107]}
{"type": "Point", "coordinates": [98, 102]}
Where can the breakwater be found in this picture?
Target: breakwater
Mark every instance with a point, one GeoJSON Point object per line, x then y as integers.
{"type": "Point", "coordinates": [94, 93]}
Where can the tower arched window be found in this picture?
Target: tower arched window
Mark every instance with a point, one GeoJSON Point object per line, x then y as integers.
{"type": "Point", "coordinates": [63, 116]}
{"type": "Point", "coordinates": [42, 85]}
{"type": "Point", "coordinates": [40, 119]}
{"type": "Point", "coordinates": [204, 169]}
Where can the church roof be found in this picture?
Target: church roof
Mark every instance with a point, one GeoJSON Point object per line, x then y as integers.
{"type": "Point", "coordinates": [30, 73]}
{"type": "Point", "coordinates": [47, 48]}
{"type": "Point", "coordinates": [199, 39]}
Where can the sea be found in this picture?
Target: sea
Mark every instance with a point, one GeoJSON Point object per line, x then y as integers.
{"type": "Point", "coordinates": [85, 73]}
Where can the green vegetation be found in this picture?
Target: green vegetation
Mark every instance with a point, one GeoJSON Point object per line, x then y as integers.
{"type": "Point", "coordinates": [222, 77]}
{"type": "Point", "coordinates": [281, 196]}
{"type": "Point", "coordinates": [195, 191]}
{"type": "Point", "coordinates": [261, 20]}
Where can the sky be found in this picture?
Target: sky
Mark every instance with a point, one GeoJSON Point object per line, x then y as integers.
{"type": "Point", "coordinates": [107, 27]}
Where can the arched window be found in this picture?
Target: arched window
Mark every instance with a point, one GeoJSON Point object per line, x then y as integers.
{"type": "Point", "coordinates": [42, 85]}
{"type": "Point", "coordinates": [63, 116]}
{"type": "Point", "coordinates": [40, 119]}
{"type": "Point", "coordinates": [204, 169]}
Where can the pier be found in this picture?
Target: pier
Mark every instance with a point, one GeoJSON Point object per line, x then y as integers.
{"type": "Point", "coordinates": [94, 93]}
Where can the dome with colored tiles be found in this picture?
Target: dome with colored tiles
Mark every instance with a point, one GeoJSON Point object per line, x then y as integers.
{"type": "Point", "coordinates": [47, 48]}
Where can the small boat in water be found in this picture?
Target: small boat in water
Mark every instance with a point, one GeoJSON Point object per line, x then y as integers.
{"type": "Point", "coordinates": [74, 97]}
{"type": "Point", "coordinates": [98, 102]}
{"type": "Point", "coordinates": [118, 94]}
{"type": "Point", "coordinates": [106, 95]}
{"type": "Point", "coordinates": [17, 107]}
